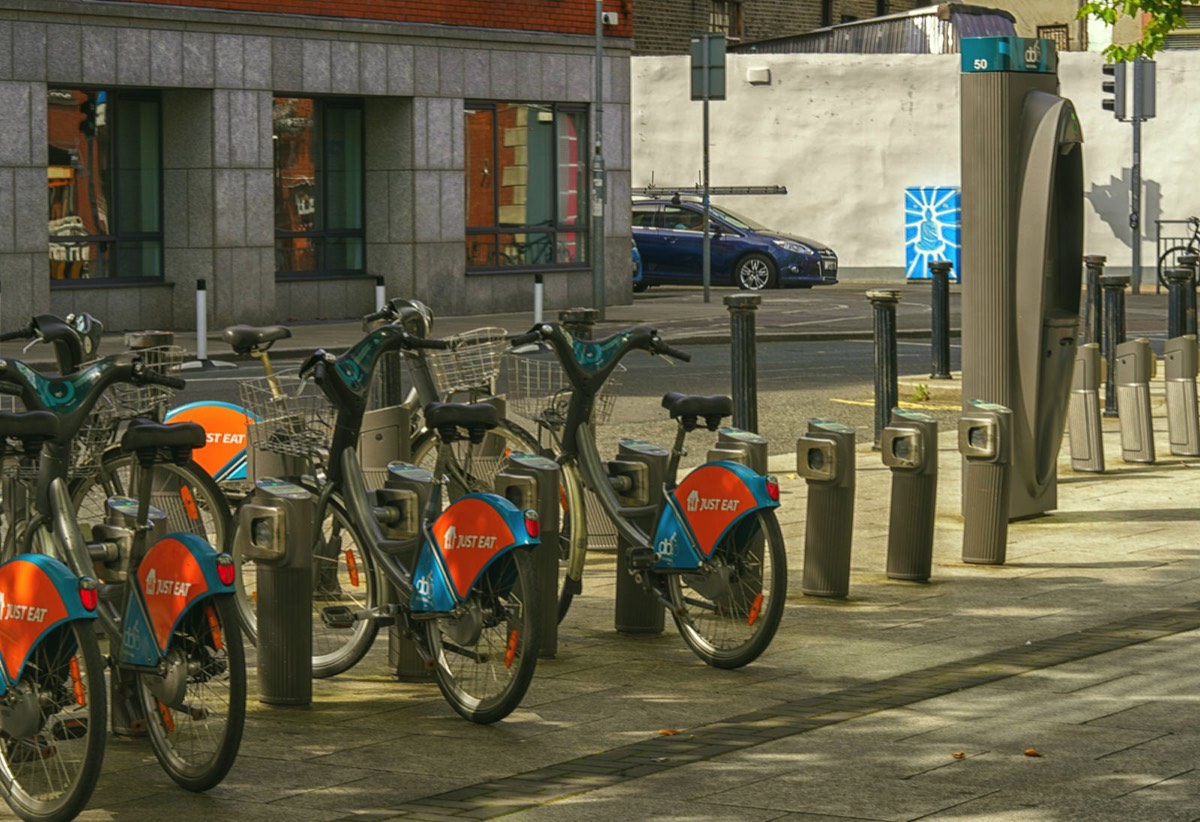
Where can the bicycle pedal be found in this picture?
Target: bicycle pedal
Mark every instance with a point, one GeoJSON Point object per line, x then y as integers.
{"type": "Point", "coordinates": [337, 617]}
{"type": "Point", "coordinates": [641, 557]}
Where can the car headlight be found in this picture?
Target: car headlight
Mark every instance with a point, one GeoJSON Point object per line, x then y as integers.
{"type": "Point", "coordinates": [792, 246]}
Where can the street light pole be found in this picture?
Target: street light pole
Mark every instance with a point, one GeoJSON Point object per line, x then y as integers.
{"type": "Point", "coordinates": [598, 171]}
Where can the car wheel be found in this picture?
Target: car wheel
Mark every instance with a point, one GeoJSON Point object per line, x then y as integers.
{"type": "Point", "coordinates": [755, 272]}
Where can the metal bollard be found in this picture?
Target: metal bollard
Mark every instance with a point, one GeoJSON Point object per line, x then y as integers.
{"type": "Point", "coordinates": [1093, 307]}
{"type": "Point", "coordinates": [637, 610]}
{"type": "Point", "coordinates": [909, 446]}
{"type": "Point", "coordinates": [736, 445]}
{"type": "Point", "coordinates": [276, 530]}
{"type": "Point", "coordinates": [825, 458]}
{"type": "Point", "coordinates": [1183, 417]}
{"type": "Point", "coordinates": [985, 440]}
{"type": "Point", "coordinates": [1190, 262]}
{"type": "Point", "coordinates": [1113, 286]}
{"type": "Point", "coordinates": [1180, 282]}
{"type": "Point", "coordinates": [743, 351]}
{"type": "Point", "coordinates": [529, 481]}
{"type": "Point", "coordinates": [887, 391]}
{"type": "Point", "coordinates": [1087, 440]}
{"type": "Point", "coordinates": [939, 272]}
{"type": "Point", "coordinates": [406, 490]}
{"type": "Point", "coordinates": [580, 323]}
{"type": "Point", "coordinates": [1134, 370]}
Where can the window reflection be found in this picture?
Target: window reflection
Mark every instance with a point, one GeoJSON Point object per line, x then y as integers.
{"type": "Point", "coordinates": [105, 180]}
{"type": "Point", "coordinates": [526, 177]}
{"type": "Point", "coordinates": [318, 186]}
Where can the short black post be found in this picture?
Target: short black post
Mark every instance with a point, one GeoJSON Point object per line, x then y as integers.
{"type": "Point", "coordinates": [1179, 282]}
{"type": "Point", "coordinates": [578, 322]}
{"type": "Point", "coordinates": [887, 391]}
{"type": "Point", "coordinates": [939, 273]}
{"type": "Point", "coordinates": [1093, 308]}
{"type": "Point", "coordinates": [744, 366]}
{"type": "Point", "coordinates": [1190, 262]}
{"type": "Point", "coordinates": [1113, 286]}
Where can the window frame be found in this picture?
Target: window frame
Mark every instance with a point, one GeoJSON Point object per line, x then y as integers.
{"type": "Point", "coordinates": [116, 240]}
{"type": "Point", "coordinates": [321, 104]}
{"type": "Point", "coordinates": [581, 230]}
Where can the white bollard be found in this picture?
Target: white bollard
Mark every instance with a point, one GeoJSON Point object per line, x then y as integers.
{"type": "Point", "coordinates": [538, 288]}
{"type": "Point", "coordinates": [380, 293]}
{"type": "Point", "coordinates": [201, 320]}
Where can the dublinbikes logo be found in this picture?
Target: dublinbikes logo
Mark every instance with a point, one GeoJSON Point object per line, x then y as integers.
{"type": "Point", "coordinates": [20, 613]}
{"type": "Point", "coordinates": [695, 503]}
{"type": "Point", "coordinates": [1033, 54]}
{"type": "Point", "coordinates": [454, 540]}
{"type": "Point", "coordinates": [165, 587]}
{"type": "Point", "coordinates": [667, 547]}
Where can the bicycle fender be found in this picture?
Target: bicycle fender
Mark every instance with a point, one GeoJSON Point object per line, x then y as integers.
{"type": "Point", "coordinates": [710, 501]}
{"type": "Point", "coordinates": [179, 571]}
{"type": "Point", "coordinates": [224, 454]}
{"type": "Point", "coordinates": [37, 594]}
{"type": "Point", "coordinates": [467, 539]}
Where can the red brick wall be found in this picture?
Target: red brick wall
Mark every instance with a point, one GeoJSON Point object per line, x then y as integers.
{"type": "Point", "coordinates": [559, 16]}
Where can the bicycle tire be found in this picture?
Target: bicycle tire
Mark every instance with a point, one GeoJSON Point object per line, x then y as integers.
{"type": "Point", "coordinates": [485, 659]}
{"type": "Point", "coordinates": [204, 511]}
{"type": "Point", "coordinates": [196, 713]}
{"type": "Point", "coordinates": [572, 536]}
{"type": "Point", "coordinates": [729, 612]}
{"type": "Point", "coordinates": [64, 669]}
{"type": "Point", "coordinates": [1169, 257]}
{"type": "Point", "coordinates": [342, 576]}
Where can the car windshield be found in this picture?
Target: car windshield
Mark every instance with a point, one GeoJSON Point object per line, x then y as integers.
{"type": "Point", "coordinates": [737, 220]}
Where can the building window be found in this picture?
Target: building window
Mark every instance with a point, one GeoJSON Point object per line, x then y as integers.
{"type": "Point", "coordinates": [526, 185]}
{"type": "Point", "coordinates": [725, 17]}
{"type": "Point", "coordinates": [105, 176]}
{"type": "Point", "coordinates": [881, 8]}
{"type": "Point", "coordinates": [1059, 34]}
{"type": "Point", "coordinates": [318, 186]}
{"type": "Point", "coordinates": [826, 13]}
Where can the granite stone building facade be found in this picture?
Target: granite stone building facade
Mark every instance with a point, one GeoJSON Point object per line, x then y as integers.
{"type": "Point", "coordinates": [288, 153]}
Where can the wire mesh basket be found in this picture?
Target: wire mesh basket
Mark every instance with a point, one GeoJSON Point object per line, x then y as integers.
{"type": "Point", "coordinates": [471, 363]}
{"type": "Point", "coordinates": [149, 400]}
{"type": "Point", "coordinates": [99, 431]}
{"type": "Point", "coordinates": [296, 420]}
{"type": "Point", "coordinates": [538, 390]}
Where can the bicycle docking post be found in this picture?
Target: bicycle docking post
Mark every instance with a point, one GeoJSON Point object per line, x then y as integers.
{"type": "Point", "coordinates": [939, 275]}
{"type": "Point", "coordinates": [275, 528]}
{"type": "Point", "coordinates": [1083, 414]}
{"type": "Point", "coordinates": [638, 608]}
{"type": "Point", "coordinates": [1182, 420]}
{"type": "Point", "coordinates": [1191, 262]}
{"type": "Point", "coordinates": [825, 458]}
{"type": "Point", "coordinates": [909, 447]}
{"type": "Point", "coordinates": [406, 491]}
{"type": "Point", "coordinates": [985, 441]}
{"type": "Point", "coordinates": [1180, 281]}
{"type": "Point", "coordinates": [1093, 306]}
{"type": "Point", "coordinates": [745, 447]}
{"type": "Point", "coordinates": [532, 482]}
{"type": "Point", "coordinates": [1114, 333]}
{"type": "Point", "coordinates": [1134, 370]}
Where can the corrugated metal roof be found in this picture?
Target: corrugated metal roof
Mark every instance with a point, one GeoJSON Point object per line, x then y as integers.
{"type": "Point", "coordinates": [930, 30]}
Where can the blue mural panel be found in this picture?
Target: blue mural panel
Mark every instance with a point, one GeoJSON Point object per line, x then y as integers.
{"type": "Point", "coordinates": [932, 230]}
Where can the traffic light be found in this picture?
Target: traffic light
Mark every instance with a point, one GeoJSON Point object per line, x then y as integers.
{"type": "Point", "coordinates": [1115, 87]}
{"type": "Point", "coordinates": [1144, 107]}
{"type": "Point", "coordinates": [88, 126]}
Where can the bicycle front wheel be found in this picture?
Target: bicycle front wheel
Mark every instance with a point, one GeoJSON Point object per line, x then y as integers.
{"type": "Point", "coordinates": [344, 575]}
{"type": "Point", "coordinates": [52, 730]}
{"type": "Point", "coordinates": [484, 656]}
{"type": "Point", "coordinates": [729, 610]}
{"type": "Point", "coordinates": [196, 711]}
{"type": "Point", "coordinates": [1170, 259]}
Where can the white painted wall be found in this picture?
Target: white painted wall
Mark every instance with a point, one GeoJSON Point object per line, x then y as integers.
{"type": "Point", "coordinates": [848, 133]}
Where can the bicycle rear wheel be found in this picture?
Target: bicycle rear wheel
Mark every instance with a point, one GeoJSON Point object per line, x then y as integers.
{"type": "Point", "coordinates": [485, 657]}
{"type": "Point", "coordinates": [1170, 259]}
{"type": "Point", "coordinates": [195, 713]}
{"type": "Point", "coordinates": [728, 611]}
{"type": "Point", "coordinates": [52, 731]}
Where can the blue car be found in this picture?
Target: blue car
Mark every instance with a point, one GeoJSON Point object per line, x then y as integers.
{"type": "Point", "coordinates": [669, 237]}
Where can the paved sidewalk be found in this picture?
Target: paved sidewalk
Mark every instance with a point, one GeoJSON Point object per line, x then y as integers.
{"type": "Point", "coordinates": [904, 701]}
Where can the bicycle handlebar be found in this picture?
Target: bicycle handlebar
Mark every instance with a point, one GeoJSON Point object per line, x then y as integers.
{"type": "Point", "coordinates": [24, 334]}
{"type": "Point", "coordinates": [661, 347]}
{"type": "Point", "coordinates": [144, 376]}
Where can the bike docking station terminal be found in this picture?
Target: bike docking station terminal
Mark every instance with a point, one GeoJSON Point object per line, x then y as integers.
{"type": "Point", "coordinates": [825, 460]}
{"type": "Point", "coordinates": [640, 471]}
{"type": "Point", "coordinates": [276, 529]}
{"type": "Point", "coordinates": [405, 494]}
{"type": "Point", "coordinates": [1022, 218]}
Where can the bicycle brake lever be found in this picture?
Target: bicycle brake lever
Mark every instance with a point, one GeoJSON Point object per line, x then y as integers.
{"type": "Point", "coordinates": [31, 344]}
